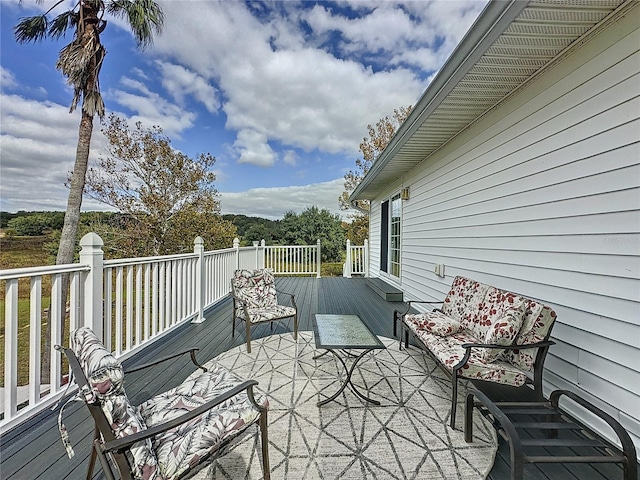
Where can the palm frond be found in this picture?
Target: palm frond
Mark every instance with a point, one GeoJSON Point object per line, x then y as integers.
{"type": "Point", "coordinates": [31, 29]}
{"type": "Point", "coordinates": [93, 103]}
{"type": "Point", "coordinates": [144, 16]}
{"type": "Point", "coordinates": [62, 23]}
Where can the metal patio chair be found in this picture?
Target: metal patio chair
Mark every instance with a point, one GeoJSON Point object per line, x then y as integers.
{"type": "Point", "coordinates": [171, 435]}
{"type": "Point", "coordinates": [255, 301]}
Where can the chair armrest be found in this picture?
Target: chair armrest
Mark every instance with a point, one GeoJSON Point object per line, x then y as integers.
{"type": "Point", "coordinates": [416, 301]}
{"type": "Point", "coordinates": [468, 346]}
{"type": "Point", "coordinates": [191, 351]}
{"type": "Point", "coordinates": [120, 444]}
{"type": "Point", "coordinates": [625, 440]}
{"type": "Point", "coordinates": [293, 297]}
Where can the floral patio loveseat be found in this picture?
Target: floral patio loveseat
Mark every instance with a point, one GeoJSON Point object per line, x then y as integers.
{"type": "Point", "coordinates": [482, 332]}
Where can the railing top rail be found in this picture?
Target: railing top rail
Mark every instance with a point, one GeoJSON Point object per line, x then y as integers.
{"type": "Point", "coordinates": [223, 250]}
{"type": "Point", "coordinates": [14, 273]}
{"type": "Point", "coordinates": [135, 261]}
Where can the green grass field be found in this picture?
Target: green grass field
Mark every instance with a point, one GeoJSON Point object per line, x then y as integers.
{"type": "Point", "coordinates": [20, 252]}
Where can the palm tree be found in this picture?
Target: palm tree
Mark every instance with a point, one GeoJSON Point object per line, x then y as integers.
{"type": "Point", "coordinates": [80, 62]}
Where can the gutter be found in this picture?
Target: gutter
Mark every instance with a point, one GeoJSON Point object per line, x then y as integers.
{"type": "Point", "coordinates": [492, 22]}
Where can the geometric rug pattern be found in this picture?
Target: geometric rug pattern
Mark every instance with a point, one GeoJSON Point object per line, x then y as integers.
{"type": "Point", "coordinates": [406, 437]}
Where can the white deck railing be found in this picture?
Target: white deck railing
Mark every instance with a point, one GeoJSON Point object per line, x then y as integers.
{"type": "Point", "coordinates": [357, 260]}
{"type": "Point", "coordinates": [293, 260]}
{"type": "Point", "coordinates": [127, 302]}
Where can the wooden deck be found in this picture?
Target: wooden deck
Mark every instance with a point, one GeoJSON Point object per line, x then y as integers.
{"type": "Point", "coordinates": [34, 450]}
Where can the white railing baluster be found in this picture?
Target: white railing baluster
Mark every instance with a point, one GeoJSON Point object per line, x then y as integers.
{"type": "Point", "coordinates": [11, 348]}
{"type": "Point", "coordinates": [108, 307]}
{"type": "Point", "coordinates": [58, 306]}
{"type": "Point", "coordinates": [129, 309]}
{"type": "Point", "coordinates": [74, 302]}
{"type": "Point", "coordinates": [155, 305]}
{"type": "Point", "coordinates": [138, 295]}
{"type": "Point", "coordinates": [162, 300]}
{"type": "Point", "coordinates": [147, 302]}
{"type": "Point", "coordinates": [35, 337]}
{"type": "Point", "coordinates": [119, 310]}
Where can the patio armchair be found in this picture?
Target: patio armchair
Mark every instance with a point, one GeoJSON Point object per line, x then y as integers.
{"type": "Point", "coordinates": [171, 435]}
{"type": "Point", "coordinates": [255, 301]}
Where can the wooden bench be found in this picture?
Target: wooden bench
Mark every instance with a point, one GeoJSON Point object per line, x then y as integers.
{"type": "Point", "coordinates": [484, 333]}
{"type": "Point", "coordinates": [553, 435]}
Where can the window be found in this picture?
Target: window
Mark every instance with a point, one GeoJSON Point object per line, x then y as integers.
{"type": "Point", "coordinates": [390, 216]}
{"type": "Point", "coordinates": [394, 244]}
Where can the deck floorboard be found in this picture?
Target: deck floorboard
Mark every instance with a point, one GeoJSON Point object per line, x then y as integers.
{"type": "Point", "coordinates": [34, 450]}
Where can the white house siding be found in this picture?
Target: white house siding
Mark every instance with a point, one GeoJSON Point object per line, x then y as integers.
{"type": "Point", "coordinates": [542, 197]}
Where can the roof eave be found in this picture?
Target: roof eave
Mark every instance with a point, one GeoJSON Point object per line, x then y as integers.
{"type": "Point", "coordinates": [491, 23]}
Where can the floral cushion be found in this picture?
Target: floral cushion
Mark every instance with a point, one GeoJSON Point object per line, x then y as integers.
{"type": "Point", "coordinates": [255, 288]}
{"type": "Point", "coordinates": [103, 371]}
{"type": "Point", "coordinates": [449, 352]}
{"type": "Point", "coordinates": [434, 322]}
{"type": "Point", "coordinates": [105, 376]}
{"type": "Point", "coordinates": [186, 446]}
{"type": "Point", "coordinates": [265, 314]}
{"type": "Point", "coordinates": [503, 331]}
{"type": "Point", "coordinates": [536, 325]}
{"type": "Point", "coordinates": [463, 299]}
{"type": "Point", "coordinates": [496, 304]}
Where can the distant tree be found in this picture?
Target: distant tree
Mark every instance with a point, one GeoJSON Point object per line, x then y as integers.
{"type": "Point", "coordinates": [251, 229]}
{"type": "Point", "coordinates": [5, 217]}
{"type": "Point", "coordinates": [371, 147]}
{"type": "Point", "coordinates": [38, 223]}
{"type": "Point", "coordinates": [357, 230]}
{"type": "Point", "coordinates": [313, 224]}
{"type": "Point", "coordinates": [166, 197]}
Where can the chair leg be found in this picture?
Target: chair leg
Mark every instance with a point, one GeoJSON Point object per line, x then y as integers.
{"type": "Point", "coordinates": [103, 461]}
{"type": "Point", "coordinates": [295, 326]}
{"type": "Point", "coordinates": [264, 439]}
{"type": "Point", "coordinates": [454, 400]}
{"type": "Point", "coordinates": [92, 459]}
{"type": "Point", "coordinates": [248, 329]}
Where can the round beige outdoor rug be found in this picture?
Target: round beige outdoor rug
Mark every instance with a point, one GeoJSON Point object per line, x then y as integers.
{"type": "Point", "coordinates": [406, 437]}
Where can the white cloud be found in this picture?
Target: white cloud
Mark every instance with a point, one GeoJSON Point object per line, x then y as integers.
{"type": "Point", "coordinates": [277, 87]}
{"type": "Point", "coordinates": [38, 151]}
{"type": "Point", "coordinates": [180, 81]}
{"type": "Point", "coordinates": [7, 79]}
{"type": "Point", "coordinates": [290, 157]}
{"type": "Point", "coordinates": [273, 203]}
{"type": "Point", "coordinates": [152, 108]}
{"type": "Point", "coordinates": [254, 149]}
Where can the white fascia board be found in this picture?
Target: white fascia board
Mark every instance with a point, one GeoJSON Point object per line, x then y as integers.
{"type": "Point", "coordinates": [492, 22]}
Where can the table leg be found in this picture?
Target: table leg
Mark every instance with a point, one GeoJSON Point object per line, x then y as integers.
{"type": "Point", "coordinates": [347, 381]}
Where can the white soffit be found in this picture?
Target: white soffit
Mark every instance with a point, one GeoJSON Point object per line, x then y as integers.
{"type": "Point", "coordinates": [537, 36]}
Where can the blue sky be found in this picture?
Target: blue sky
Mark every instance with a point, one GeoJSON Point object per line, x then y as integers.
{"type": "Point", "coordinates": [280, 93]}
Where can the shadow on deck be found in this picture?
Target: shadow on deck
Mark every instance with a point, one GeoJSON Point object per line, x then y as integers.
{"type": "Point", "coordinates": [34, 450]}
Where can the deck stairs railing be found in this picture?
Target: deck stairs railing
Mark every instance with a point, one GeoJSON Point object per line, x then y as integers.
{"type": "Point", "coordinates": [127, 302]}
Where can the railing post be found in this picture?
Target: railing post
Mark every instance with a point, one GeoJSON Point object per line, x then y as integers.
{"type": "Point", "coordinates": [92, 255]}
{"type": "Point", "coordinates": [236, 245]}
{"type": "Point", "coordinates": [347, 266]}
{"type": "Point", "coordinates": [366, 258]}
{"type": "Point", "coordinates": [264, 254]}
{"type": "Point", "coordinates": [198, 249]}
{"type": "Point", "coordinates": [319, 258]}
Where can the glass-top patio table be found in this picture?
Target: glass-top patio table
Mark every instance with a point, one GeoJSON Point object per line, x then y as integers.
{"type": "Point", "coordinates": [341, 333]}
